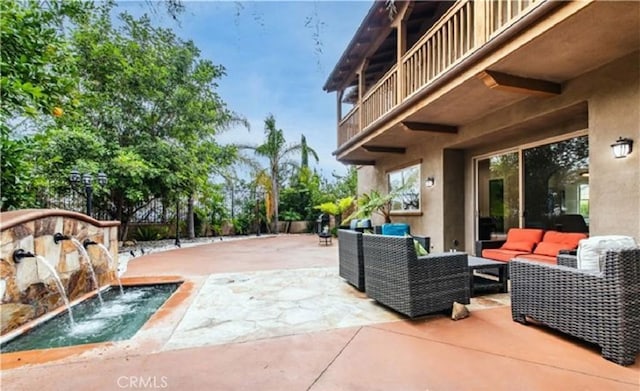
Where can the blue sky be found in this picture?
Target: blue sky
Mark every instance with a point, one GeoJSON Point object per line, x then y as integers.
{"type": "Point", "coordinates": [274, 63]}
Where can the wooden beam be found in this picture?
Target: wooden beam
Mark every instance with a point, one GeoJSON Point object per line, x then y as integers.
{"type": "Point", "coordinates": [521, 85]}
{"type": "Point", "coordinates": [428, 127]}
{"type": "Point", "coordinates": [380, 148]}
{"type": "Point", "coordinates": [358, 162]}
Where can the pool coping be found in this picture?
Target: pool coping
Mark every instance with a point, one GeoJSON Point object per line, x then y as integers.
{"type": "Point", "coordinates": [13, 360]}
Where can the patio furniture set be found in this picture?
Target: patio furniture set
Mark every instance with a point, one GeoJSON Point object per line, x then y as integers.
{"type": "Point", "coordinates": [590, 290]}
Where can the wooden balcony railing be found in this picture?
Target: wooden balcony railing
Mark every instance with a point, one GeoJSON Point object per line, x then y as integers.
{"type": "Point", "coordinates": [349, 126]}
{"type": "Point", "coordinates": [464, 28]}
{"type": "Point", "coordinates": [499, 14]}
{"type": "Point", "coordinates": [447, 42]}
{"type": "Point", "coordinates": [380, 99]}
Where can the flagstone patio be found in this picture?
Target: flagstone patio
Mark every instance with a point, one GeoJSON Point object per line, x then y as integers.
{"type": "Point", "coordinates": [271, 313]}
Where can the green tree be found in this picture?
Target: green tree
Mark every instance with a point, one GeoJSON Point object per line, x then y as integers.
{"type": "Point", "coordinates": [278, 155]}
{"type": "Point", "coordinates": [150, 101]}
{"type": "Point", "coordinates": [38, 77]}
{"type": "Point", "coordinates": [305, 150]}
{"type": "Point", "coordinates": [38, 68]}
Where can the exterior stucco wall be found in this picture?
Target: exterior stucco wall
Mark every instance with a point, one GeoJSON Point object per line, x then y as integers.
{"type": "Point", "coordinates": [614, 111]}
{"type": "Point", "coordinates": [610, 95]}
{"type": "Point", "coordinates": [603, 103]}
{"type": "Point", "coordinates": [429, 154]}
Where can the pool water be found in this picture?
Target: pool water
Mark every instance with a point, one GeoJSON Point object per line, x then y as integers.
{"type": "Point", "coordinates": [121, 316]}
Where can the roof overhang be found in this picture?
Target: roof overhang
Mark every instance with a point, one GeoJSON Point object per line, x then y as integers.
{"type": "Point", "coordinates": [536, 69]}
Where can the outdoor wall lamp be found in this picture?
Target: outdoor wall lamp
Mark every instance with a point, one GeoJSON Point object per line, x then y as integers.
{"type": "Point", "coordinates": [430, 182]}
{"type": "Point", "coordinates": [622, 148]}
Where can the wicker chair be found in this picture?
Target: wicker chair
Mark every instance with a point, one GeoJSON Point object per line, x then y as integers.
{"type": "Point", "coordinates": [411, 285]}
{"type": "Point", "coordinates": [351, 257]}
{"type": "Point", "coordinates": [599, 307]}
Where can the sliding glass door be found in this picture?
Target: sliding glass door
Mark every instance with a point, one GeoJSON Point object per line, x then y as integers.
{"type": "Point", "coordinates": [536, 186]}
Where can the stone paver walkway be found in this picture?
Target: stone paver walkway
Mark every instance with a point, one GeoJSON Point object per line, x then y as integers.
{"type": "Point", "coordinates": [239, 307]}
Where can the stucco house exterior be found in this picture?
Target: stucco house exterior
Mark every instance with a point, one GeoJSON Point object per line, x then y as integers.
{"type": "Point", "coordinates": [495, 114]}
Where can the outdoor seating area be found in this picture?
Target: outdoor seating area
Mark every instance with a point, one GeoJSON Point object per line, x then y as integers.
{"type": "Point", "coordinates": [596, 302]}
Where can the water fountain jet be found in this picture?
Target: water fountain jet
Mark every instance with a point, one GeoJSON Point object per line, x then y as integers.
{"type": "Point", "coordinates": [110, 258]}
{"type": "Point", "coordinates": [58, 237]}
{"type": "Point", "coordinates": [21, 253]}
{"type": "Point", "coordinates": [83, 255]}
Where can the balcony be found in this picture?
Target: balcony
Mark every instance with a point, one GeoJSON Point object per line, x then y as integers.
{"type": "Point", "coordinates": [462, 30]}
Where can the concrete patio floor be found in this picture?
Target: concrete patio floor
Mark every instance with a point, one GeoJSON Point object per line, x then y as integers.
{"type": "Point", "coordinates": [306, 344]}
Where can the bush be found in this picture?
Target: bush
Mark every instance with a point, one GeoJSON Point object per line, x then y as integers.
{"type": "Point", "coordinates": [147, 233]}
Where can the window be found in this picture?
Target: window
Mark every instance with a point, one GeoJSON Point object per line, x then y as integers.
{"type": "Point", "coordinates": [583, 197]}
{"type": "Point", "coordinates": [405, 185]}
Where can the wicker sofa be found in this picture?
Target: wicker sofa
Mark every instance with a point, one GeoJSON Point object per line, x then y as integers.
{"type": "Point", "coordinates": [602, 307]}
{"type": "Point", "coordinates": [412, 285]}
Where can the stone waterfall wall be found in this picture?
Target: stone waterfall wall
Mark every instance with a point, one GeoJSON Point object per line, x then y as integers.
{"type": "Point", "coordinates": [28, 289]}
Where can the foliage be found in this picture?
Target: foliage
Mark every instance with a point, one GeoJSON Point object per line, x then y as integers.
{"type": "Point", "coordinates": [38, 71]}
{"type": "Point", "coordinates": [277, 152]}
{"type": "Point", "coordinates": [371, 203]}
{"type": "Point", "coordinates": [38, 76]}
{"type": "Point", "coordinates": [151, 100]}
{"type": "Point", "coordinates": [16, 173]}
{"type": "Point", "coordinates": [211, 213]}
{"type": "Point", "coordinates": [151, 232]}
{"type": "Point", "coordinates": [344, 186]}
{"type": "Point", "coordinates": [290, 215]}
{"type": "Point", "coordinates": [330, 208]}
{"type": "Point", "coordinates": [337, 208]}
{"type": "Point", "coordinates": [303, 192]}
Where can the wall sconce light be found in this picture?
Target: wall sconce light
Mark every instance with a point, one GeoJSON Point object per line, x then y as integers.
{"type": "Point", "coordinates": [622, 147]}
{"type": "Point", "coordinates": [430, 182]}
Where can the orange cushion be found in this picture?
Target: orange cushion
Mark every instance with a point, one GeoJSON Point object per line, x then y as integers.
{"type": "Point", "coordinates": [533, 235]}
{"type": "Point", "coordinates": [501, 255]}
{"type": "Point", "coordinates": [569, 238]}
{"type": "Point", "coordinates": [551, 249]}
{"type": "Point", "coordinates": [518, 245]}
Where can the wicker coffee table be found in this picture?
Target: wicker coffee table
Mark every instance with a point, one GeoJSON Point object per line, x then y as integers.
{"type": "Point", "coordinates": [478, 283]}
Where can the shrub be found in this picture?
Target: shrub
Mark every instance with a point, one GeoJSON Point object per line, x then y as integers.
{"type": "Point", "coordinates": [151, 232]}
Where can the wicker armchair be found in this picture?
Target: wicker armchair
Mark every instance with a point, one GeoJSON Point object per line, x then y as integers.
{"type": "Point", "coordinates": [599, 307]}
{"type": "Point", "coordinates": [351, 258]}
{"type": "Point", "coordinates": [411, 285]}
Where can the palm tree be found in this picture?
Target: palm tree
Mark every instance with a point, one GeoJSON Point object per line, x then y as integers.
{"type": "Point", "coordinates": [305, 149]}
{"type": "Point", "coordinates": [277, 152]}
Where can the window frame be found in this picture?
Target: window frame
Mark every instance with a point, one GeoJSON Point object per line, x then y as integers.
{"type": "Point", "coordinates": [405, 171]}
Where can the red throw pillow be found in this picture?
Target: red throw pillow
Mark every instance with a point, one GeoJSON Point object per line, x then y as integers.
{"type": "Point", "coordinates": [551, 249]}
{"type": "Point", "coordinates": [518, 246]}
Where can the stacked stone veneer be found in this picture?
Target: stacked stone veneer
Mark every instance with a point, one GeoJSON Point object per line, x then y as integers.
{"type": "Point", "coordinates": [28, 289]}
